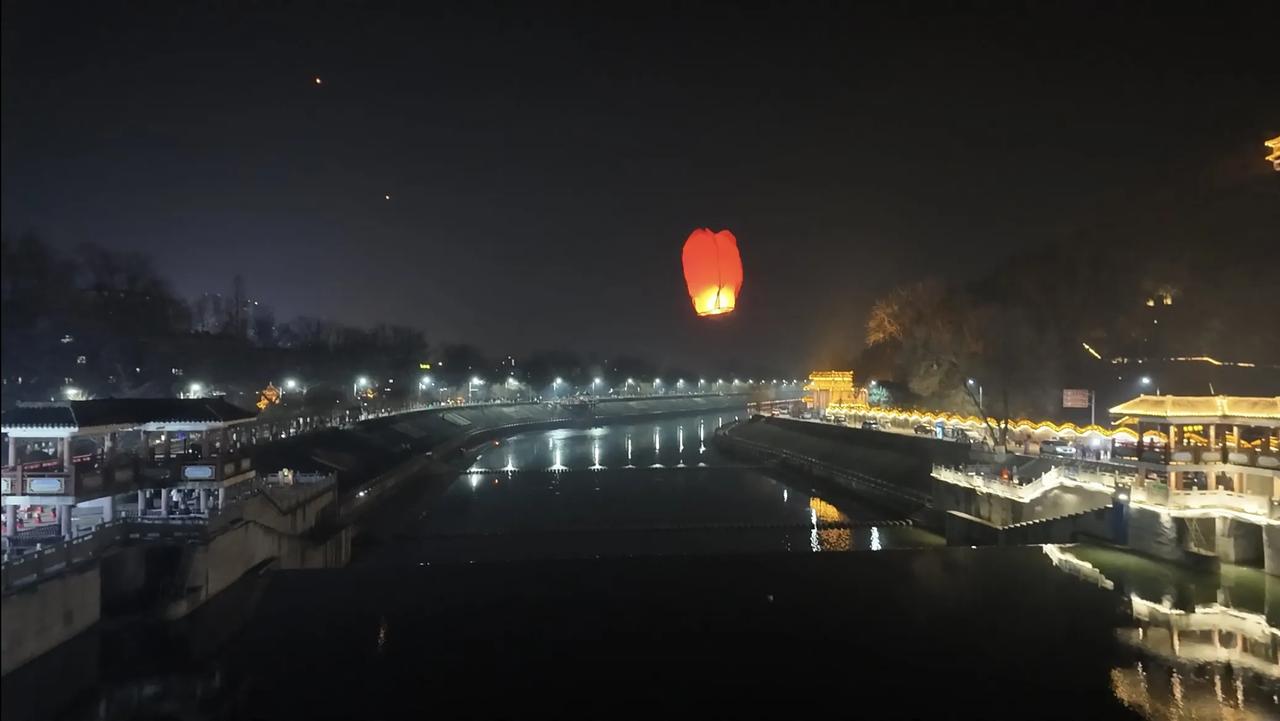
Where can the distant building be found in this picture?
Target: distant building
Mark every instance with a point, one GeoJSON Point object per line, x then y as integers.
{"type": "Point", "coordinates": [832, 388]}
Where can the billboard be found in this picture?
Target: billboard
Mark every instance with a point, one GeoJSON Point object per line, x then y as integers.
{"type": "Point", "coordinates": [1075, 398]}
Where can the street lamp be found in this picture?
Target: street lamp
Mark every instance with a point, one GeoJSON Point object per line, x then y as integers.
{"type": "Point", "coordinates": [972, 383]}
{"type": "Point", "coordinates": [361, 382]}
{"type": "Point", "coordinates": [290, 384]}
{"type": "Point", "coordinates": [471, 385]}
{"type": "Point", "coordinates": [1146, 380]}
{"type": "Point", "coordinates": [595, 382]}
{"type": "Point", "coordinates": [194, 390]}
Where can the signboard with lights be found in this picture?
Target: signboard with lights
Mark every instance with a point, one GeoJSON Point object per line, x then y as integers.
{"type": "Point", "coordinates": [1075, 398]}
{"type": "Point", "coordinates": [45, 486]}
{"type": "Point", "coordinates": [199, 472]}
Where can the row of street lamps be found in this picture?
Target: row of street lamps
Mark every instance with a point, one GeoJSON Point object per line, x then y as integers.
{"type": "Point", "coordinates": [474, 382]}
{"type": "Point", "coordinates": [196, 390]}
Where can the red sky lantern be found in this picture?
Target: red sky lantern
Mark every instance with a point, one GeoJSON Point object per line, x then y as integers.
{"type": "Point", "coordinates": [713, 271]}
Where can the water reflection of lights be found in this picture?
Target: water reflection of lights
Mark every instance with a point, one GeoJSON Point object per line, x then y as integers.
{"type": "Point", "coordinates": [382, 634]}
{"type": "Point", "coordinates": [474, 480]}
{"type": "Point", "coordinates": [875, 539]}
{"type": "Point", "coordinates": [595, 456]}
{"type": "Point", "coordinates": [702, 448]}
{"type": "Point", "coordinates": [629, 465]}
{"type": "Point", "coordinates": [1209, 661]}
{"type": "Point", "coordinates": [835, 539]}
{"type": "Point", "coordinates": [814, 545]}
{"type": "Point", "coordinates": [556, 465]}
{"type": "Point", "coordinates": [1080, 569]}
{"type": "Point", "coordinates": [511, 464]}
{"type": "Point", "coordinates": [657, 441]}
{"type": "Point", "coordinates": [824, 511]}
{"type": "Point", "coordinates": [784, 495]}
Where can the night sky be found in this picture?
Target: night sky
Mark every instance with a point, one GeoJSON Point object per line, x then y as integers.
{"type": "Point", "coordinates": [546, 162]}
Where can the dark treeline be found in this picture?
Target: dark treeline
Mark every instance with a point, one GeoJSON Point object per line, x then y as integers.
{"type": "Point", "coordinates": [1023, 330]}
{"type": "Point", "coordinates": [98, 322]}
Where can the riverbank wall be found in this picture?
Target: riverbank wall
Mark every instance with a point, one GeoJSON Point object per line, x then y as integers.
{"type": "Point", "coordinates": [896, 470]}
{"type": "Point", "coordinates": [917, 476]}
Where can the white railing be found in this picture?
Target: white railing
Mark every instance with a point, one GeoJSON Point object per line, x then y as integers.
{"type": "Point", "coordinates": [1229, 500]}
{"type": "Point", "coordinates": [1053, 478]}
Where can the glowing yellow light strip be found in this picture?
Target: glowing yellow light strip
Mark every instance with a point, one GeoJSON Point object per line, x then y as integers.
{"type": "Point", "coordinates": [976, 422]}
{"type": "Point", "coordinates": [1024, 424]}
{"type": "Point", "coordinates": [1092, 352]}
{"type": "Point", "coordinates": [1190, 359]}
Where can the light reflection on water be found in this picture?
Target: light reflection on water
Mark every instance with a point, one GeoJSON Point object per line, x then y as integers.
{"type": "Point", "coordinates": [669, 497]}
{"type": "Point", "coordinates": [1207, 644]}
{"type": "Point", "coordinates": [1196, 646]}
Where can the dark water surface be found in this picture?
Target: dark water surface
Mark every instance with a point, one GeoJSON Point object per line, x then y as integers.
{"type": "Point", "coordinates": [632, 489]}
{"type": "Point", "coordinates": [633, 572]}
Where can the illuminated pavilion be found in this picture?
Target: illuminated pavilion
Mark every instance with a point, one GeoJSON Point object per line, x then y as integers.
{"type": "Point", "coordinates": [832, 388]}
{"type": "Point", "coordinates": [1233, 441]}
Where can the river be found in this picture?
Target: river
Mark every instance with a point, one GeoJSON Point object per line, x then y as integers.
{"type": "Point", "coordinates": [633, 571]}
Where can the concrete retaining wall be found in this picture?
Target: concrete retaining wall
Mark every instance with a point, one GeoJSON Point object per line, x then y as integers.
{"type": "Point", "coordinates": [1155, 534]}
{"type": "Point", "coordinates": [963, 529]}
{"type": "Point", "coordinates": [38, 618]}
{"type": "Point", "coordinates": [1271, 549]}
{"type": "Point", "coordinates": [213, 567]}
{"type": "Point", "coordinates": [903, 462]}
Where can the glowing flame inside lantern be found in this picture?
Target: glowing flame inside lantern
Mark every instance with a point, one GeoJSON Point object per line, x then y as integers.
{"type": "Point", "coordinates": [712, 270]}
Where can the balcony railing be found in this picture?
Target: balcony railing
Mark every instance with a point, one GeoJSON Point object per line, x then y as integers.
{"type": "Point", "coordinates": [1158, 494]}
{"type": "Point", "coordinates": [1195, 455]}
{"type": "Point", "coordinates": [92, 474]}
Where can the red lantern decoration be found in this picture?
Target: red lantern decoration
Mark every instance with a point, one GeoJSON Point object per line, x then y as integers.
{"type": "Point", "coordinates": [712, 270]}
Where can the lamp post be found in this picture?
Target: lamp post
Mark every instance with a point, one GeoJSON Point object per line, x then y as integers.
{"type": "Point", "coordinates": [973, 383]}
{"type": "Point", "coordinates": [595, 382]}
{"type": "Point", "coordinates": [471, 386]}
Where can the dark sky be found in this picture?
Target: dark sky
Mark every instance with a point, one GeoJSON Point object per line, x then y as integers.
{"type": "Point", "coordinates": [546, 162]}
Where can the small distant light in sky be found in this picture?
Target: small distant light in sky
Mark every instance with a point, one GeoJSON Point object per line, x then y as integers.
{"type": "Point", "coordinates": [387, 196]}
{"type": "Point", "coordinates": [319, 81]}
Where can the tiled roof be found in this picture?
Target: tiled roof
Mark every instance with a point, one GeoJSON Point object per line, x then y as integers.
{"type": "Point", "coordinates": [124, 412]}
{"type": "Point", "coordinates": [39, 416]}
{"type": "Point", "coordinates": [1262, 408]}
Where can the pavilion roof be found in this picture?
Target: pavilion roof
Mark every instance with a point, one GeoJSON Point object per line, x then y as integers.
{"type": "Point", "coordinates": [124, 412]}
{"type": "Point", "coordinates": [1261, 411]}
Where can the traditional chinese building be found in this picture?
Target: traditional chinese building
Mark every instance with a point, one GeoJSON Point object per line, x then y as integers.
{"type": "Point", "coordinates": [832, 388]}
